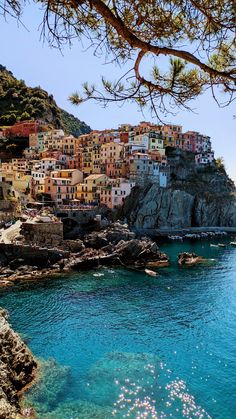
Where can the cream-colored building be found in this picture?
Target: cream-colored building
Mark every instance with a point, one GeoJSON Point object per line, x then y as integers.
{"type": "Point", "coordinates": [89, 190]}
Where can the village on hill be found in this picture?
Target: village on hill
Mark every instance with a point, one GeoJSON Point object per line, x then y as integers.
{"type": "Point", "coordinates": [99, 168]}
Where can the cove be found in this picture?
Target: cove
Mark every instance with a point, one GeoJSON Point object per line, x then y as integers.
{"type": "Point", "coordinates": [118, 343]}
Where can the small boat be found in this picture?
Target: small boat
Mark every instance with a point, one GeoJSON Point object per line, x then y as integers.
{"type": "Point", "coordinates": [150, 273]}
{"type": "Point", "coordinates": [214, 245]}
{"type": "Point", "coordinates": [98, 274]}
{"type": "Point", "coordinates": [221, 245]}
{"type": "Point", "coordinates": [233, 243]}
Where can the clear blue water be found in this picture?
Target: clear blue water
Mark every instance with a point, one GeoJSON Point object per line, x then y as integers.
{"type": "Point", "coordinates": [128, 345]}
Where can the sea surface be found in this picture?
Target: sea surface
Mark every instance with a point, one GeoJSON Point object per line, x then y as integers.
{"type": "Point", "coordinates": [118, 343]}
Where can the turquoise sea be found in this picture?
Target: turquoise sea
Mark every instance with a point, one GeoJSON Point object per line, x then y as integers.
{"type": "Point", "coordinates": [117, 343]}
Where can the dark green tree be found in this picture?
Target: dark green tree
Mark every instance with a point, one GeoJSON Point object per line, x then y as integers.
{"type": "Point", "coordinates": [195, 38]}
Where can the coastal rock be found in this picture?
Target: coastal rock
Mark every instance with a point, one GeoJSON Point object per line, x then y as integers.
{"type": "Point", "coordinates": [17, 369]}
{"type": "Point", "coordinates": [74, 246]}
{"type": "Point", "coordinates": [186, 258]}
{"type": "Point", "coordinates": [171, 208]}
{"type": "Point", "coordinates": [195, 197]}
{"type": "Point", "coordinates": [140, 253]}
{"type": "Point", "coordinates": [16, 263]}
{"type": "Point", "coordinates": [111, 235]}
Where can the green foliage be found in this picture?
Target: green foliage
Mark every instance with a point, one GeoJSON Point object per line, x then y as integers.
{"type": "Point", "coordinates": [73, 125]}
{"type": "Point", "coordinates": [220, 164]}
{"type": "Point", "coordinates": [25, 116]}
{"type": "Point", "coordinates": [8, 119]}
{"type": "Point", "coordinates": [19, 102]}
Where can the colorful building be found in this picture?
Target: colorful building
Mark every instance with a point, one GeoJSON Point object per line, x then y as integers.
{"type": "Point", "coordinates": [113, 194]}
{"type": "Point", "coordinates": [63, 185]}
{"type": "Point", "coordinates": [89, 191]}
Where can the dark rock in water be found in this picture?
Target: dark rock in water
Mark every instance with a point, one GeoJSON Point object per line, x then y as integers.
{"type": "Point", "coordinates": [140, 253]}
{"type": "Point", "coordinates": [86, 263]}
{"type": "Point", "coordinates": [110, 260]}
{"type": "Point", "coordinates": [186, 258]}
{"type": "Point", "coordinates": [17, 369]}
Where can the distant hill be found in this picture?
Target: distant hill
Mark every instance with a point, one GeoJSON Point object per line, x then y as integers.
{"type": "Point", "coordinates": [73, 125]}
{"type": "Point", "coordinates": [20, 102]}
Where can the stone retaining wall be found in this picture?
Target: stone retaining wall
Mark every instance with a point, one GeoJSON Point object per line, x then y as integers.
{"type": "Point", "coordinates": [32, 255]}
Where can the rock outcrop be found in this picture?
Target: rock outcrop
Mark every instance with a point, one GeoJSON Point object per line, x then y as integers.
{"type": "Point", "coordinates": [112, 234]}
{"type": "Point", "coordinates": [117, 245]}
{"type": "Point", "coordinates": [17, 369]}
{"type": "Point", "coordinates": [189, 259]}
{"type": "Point", "coordinates": [195, 197]}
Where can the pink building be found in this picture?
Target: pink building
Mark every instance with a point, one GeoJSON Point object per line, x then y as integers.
{"type": "Point", "coordinates": [114, 192]}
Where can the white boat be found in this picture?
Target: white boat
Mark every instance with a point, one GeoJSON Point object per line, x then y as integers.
{"type": "Point", "coordinates": [233, 243]}
{"type": "Point", "coordinates": [150, 273]}
{"type": "Point", "coordinates": [214, 245]}
{"type": "Point", "coordinates": [221, 245]}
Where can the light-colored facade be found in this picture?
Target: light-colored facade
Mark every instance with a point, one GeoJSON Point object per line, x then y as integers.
{"type": "Point", "coordinates": [89, 191]}
{"type": "Point", "coordinates": [63, 185]}
{"type": "Point", "coordinates": [204, 158]}
{"type": "Point", "coordinates": [113, 194]}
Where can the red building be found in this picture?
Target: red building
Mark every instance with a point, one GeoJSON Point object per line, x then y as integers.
{"type": "Point", "coordinates": [23, 128]}
{"type": "Point", "coordinates": [124, 137]}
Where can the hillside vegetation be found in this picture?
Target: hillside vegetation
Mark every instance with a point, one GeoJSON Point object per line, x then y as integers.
{"type": "Point", "coordinates": [20, 102]}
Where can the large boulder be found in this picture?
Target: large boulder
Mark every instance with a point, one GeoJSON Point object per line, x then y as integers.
{"type": "Point", "coordinates": [140, 253]}
{"type": "Point", "coordinates": [189, 259]}
{"type": "Point", "coordinates": [112, 234]}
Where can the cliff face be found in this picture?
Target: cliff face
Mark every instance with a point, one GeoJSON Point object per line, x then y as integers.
{"type": "Point", "coordinates": [195, 197]}
{"type": "Point", "coordinates": [17, 368]}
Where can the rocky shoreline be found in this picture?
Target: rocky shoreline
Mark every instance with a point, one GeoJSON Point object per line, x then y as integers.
{"type": "Point", "coordinates": [17, 371]}
{"type": "Point", "coordinates": [115, 245]}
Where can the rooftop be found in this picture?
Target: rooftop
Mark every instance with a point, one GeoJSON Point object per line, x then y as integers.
{"type": "Point", "coordinates": [91, 177]}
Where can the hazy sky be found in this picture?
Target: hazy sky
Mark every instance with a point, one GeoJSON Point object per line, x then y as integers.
{"type": "Point", "coordinates": [30, 59]}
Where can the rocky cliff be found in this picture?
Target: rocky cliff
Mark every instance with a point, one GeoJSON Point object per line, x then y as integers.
{"type": "Point", "coordinates": [195, 197]}
{"type": "Point", "coordinates": [17, 370]}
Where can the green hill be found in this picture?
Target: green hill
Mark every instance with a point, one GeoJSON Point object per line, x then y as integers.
{"type": "Point", "coordinates": [20, 102]}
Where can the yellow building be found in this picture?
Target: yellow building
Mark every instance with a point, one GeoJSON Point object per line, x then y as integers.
{"type": "Point", "coordinates": [87, 160]}
{"type": "Point", "coordinates": [111, 152]}
{"type": "Point", "coordinates": [89, 191]}
{"type": "Point", "coordinates": [96, 159]}
{"type": "Point", "coordinates": [69, 145]}
{"type": "Point", "coordinates": [169, 141]}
